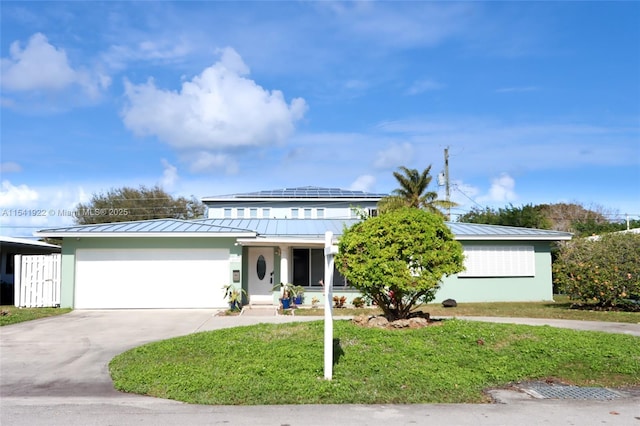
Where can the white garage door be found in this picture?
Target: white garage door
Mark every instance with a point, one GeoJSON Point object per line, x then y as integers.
{"type": "Point", "coordinates": [151, 278]}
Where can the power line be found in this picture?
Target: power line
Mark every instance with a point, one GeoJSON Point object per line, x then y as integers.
{"type": "Point", "coordinates": [455, 186]}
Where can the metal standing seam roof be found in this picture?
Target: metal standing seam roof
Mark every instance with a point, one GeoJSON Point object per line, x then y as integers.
{"type": "Point", "coordinates": [287, 227]}
{"type": "Point", "coordinates": [160, 227]}
{"type": "Point", "coordinates": [308, 192]}
{"type": "Point", "coordinates": [309, 228]}
{"type": "Point", "coordinates": [476, 231]}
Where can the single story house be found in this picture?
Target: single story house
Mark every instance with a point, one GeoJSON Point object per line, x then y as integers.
{"type": "Point", "coordinates": [170, 263]}
{"type": "Point", "coordinates": [9, 248]}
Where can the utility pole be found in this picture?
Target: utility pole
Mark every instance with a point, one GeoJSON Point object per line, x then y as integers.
{"type": "Point", "coordinates": [446, 182]}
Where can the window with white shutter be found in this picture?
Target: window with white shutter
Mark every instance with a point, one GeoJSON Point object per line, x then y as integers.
{"type": "Point", "coordinates": [499, 261]}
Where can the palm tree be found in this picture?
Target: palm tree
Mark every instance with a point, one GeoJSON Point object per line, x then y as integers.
{"type": "Point", "coordinates": [413, 193]}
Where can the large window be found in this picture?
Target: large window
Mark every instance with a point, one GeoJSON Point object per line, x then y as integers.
{"type": "Point", "coordinates": [499, 261]}
{"type": "Point", "coordinates": [308, 268]}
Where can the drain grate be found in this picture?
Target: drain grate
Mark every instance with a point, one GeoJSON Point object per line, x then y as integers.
{"type": "Point", "coordinates": [546, 391]}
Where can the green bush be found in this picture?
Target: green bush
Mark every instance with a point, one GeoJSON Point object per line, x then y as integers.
{"type": "Point", "coordinates": [604, 272]}
{"type": "Point", "coordinates": [358, 302]}
{"type": "Point", "coordinates": [398, 259]}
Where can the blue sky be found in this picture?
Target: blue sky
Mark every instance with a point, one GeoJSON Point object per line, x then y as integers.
{"type": "Point", "coordinates": [538, 102]}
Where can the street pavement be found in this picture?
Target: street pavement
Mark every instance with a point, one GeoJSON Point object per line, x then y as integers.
{"type": "Point", "coordinates": [54, 371]}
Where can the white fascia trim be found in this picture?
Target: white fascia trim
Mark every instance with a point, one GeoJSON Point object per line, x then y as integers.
{"type": "Point", "coordinates": [144, 234]}
{"type": "Point", "coordinates": [226, 200]}
{"type": "Point", "coordinates": [320, 241]}
{"type": "Point", "coordinates": [512, 237]}
{"type": "Point", "coordinates": [275, 241]}
{"type": "Point", "coordinates": [27, 242]}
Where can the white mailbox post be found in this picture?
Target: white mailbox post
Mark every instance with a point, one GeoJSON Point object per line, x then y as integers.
{"type": "Point", "coordinates": [330, 251]}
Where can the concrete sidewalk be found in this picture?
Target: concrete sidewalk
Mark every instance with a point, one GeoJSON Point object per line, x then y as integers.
{"type": "Point", "coordinates": [127, 410]}
{"type": "Point", "coordinates": [607, 327]}
{"type": "Point", "coordinates": [54, 371]}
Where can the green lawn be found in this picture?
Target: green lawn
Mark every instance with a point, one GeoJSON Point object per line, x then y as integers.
{"type": "Point", "coordinates": [560, 309]}
{"type": "Point", "coordinates": [13, 315]}
{"type": "Point", "coordinates": [450, 362]}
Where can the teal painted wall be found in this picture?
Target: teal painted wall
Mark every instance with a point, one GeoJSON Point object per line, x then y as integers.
{"type": "Point", "coordinates": [492, 289]}
{"type": "Point", "coordinates": [70, 245]}
{"type": "Point", "coordinates": [537, 288]}
{"type": "Point", "coordinates": [503, 289]}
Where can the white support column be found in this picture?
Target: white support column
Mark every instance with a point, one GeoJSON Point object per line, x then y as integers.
{"type": "Point", "coordinates": [17, 280]}
{"type": "Point", "coordinates": [329, 252]}
{"type": "Point", "coordinates": [284, 264]}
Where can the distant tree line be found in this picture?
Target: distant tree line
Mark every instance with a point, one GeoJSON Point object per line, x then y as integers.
{"type": "Point", "coordinates": [568, 217]}
{"type": "Point", "coordinates": [413, 191]}
{"type": "Point", "coordinates": [143, 203]}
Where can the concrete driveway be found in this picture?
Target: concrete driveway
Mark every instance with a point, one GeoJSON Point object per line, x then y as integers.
{"type": "Point", "coordinates": [68, 355]}
{"type": "Point", "coordinates": [54, 371]}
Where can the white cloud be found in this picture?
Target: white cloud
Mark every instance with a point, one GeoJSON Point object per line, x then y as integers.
{"type": "Point", "coordinates": [363, 183]}
{"type": "Point", "coordinates": [119, 55]}
{"type": "Point", "coordinates": [17, 202]}
{"type": "Point", "coordinates": [403, 25]}
{"type": "Point", "coordinates": [169, 175]}
{"type": "Point", "coordinates": [42, 66]}
{"type": "Point", "coordinates": [27, 209]}
{"type": "Point", "coordinates": [10, 167]}
{"type": "Point", "coordinates": [206, 162]}
{"type": "Point", "coordinates": [219, 109]}
{"type": "Point", "coordinates": [502, 190]}
{"type": "Point", "coordinates": [421, 86]}
{"type": "Point", "coordinates": [461, 193]}
{"type": "Point", "coordinates": [20, 196]}
{"type": "Point", "coordinates": [24, 71]}
{"type": "Point", "coordinates": [394, 156]}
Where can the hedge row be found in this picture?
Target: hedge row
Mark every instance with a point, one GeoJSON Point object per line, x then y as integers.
{"type": "Point", "coordinates": [603, 272]}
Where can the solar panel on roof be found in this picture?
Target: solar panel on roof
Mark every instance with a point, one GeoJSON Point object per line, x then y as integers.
{"type": "Point", "coordinates": [306, 192]}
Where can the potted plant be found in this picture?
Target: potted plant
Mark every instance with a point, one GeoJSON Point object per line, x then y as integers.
{"type": "Point", "coordinates": [234, 296]}
{"type": "Point", "coordinates": [358, 302]}
{"type": "Point", "coordinates": [297, 293]}
{"type": "Point", "coordinates": [286, 293]}
{"type": "Point", "coordinates": [338, 302]}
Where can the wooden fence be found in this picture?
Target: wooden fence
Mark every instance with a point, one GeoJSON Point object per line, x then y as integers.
{"type": "Point", "coordinates": [37, 280]}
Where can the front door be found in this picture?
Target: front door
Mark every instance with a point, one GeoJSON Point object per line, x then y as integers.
{"type": "Point", "coordinates": [261, 275]}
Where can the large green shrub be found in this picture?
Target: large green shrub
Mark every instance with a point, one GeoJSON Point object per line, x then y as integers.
{"type": "Point", "coordinates": [603, 272]}
{"type": "Point", "coordinates": [399, 258]}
